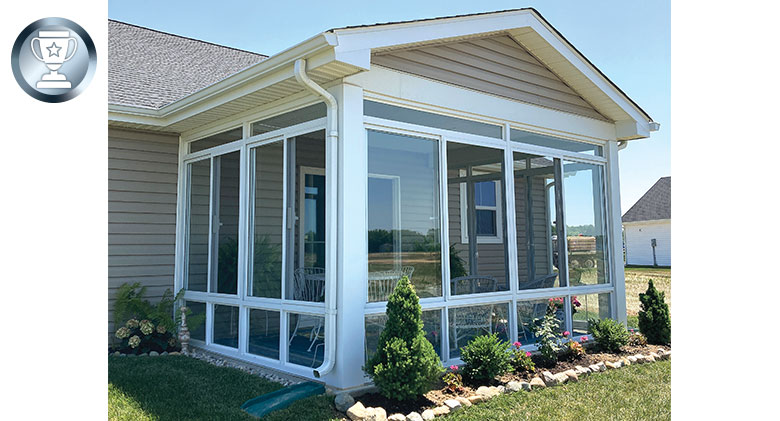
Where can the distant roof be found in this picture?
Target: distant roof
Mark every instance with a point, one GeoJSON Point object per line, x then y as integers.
{"type": "Point", "coordinates": [149, 68]}
{"type": "Point", "coordinates": [655, 204]}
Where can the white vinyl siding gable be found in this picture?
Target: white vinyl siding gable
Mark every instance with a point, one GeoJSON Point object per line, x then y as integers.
{"type": "Point", "coordinates": [497, 65]}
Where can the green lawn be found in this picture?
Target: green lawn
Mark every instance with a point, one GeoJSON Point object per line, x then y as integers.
{"type": "Point", "coordinates": [638, 392]}
{"type": "Point", "coordinates": [182, 388]}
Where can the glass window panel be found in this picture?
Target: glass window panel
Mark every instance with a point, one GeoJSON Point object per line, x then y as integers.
{"type": "Point", "coordinates": [585, 223]}
{"type": "Point", "coordinates": [485, 193]}
{"type": "Point", "coordinates": [225, 268]}
{"type": "Point", "coordinates": [267, 184]}
{"type": "Point", "coordinates": [264, 333]}
{"type": "Point", "coordinates": [196, 321]}
{"type": "Point", "coordinates": [301, 115]}
{"type": "Point", "coordinates": [226, 325]}
{"type": "Point", "coordinates": [306, 264]}
{"type": "Point", "coordinates": [530, 314]}
{"type": "Point", "coordinates": [476, 266]}
{"type": "Point", "coordinates": [306, 340]}
{"type": "Point", "coordinates": [422, 118]}
{"type": "Point", "coordinates": [535, 216]}
{"type": "Point", "coordinates": [554, 142]}
{"type": "Point", "coordinates": [486, 222]}
{"type": "Point", "coordinates": [376, 323]}
{"type": "Point", "coordinates": [217, 139]}
{"type": "Point", "coordinates": [198, 225]}
{"type": "Point", "coordinates": [466, 323]}
{"type": "Point", "coordinates": [591, 306]}
{"type": "Point", "coordinates": [403, 214]}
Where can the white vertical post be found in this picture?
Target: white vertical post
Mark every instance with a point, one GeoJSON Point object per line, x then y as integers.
{"type": "Point", "coordinates": [352, 256]}
{"type": "Point", "coordinates": [181, 199]}
{"type": "Point", "coordinates": [510, 233]}
{"type": "Point", "coordinates": [615, 231]}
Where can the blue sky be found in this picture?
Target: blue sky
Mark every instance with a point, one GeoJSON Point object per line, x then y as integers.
{"type": "Point", "coordinates": [630, 41]}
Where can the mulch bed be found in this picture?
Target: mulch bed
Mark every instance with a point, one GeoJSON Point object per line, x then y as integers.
{"type": "Point", "coordinates": [438, 395]}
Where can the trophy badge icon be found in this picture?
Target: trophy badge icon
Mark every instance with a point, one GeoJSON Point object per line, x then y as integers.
{"type": "Point", "coordinates": [54, 47]}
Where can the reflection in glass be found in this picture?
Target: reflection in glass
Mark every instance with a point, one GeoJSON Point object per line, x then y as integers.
{"type": "Point", "coordinates": [268, 188]}
{"type": "Point", "coordinates": [226, 325]}
{"type": "Point", "coordinates": [530, 314]}
{"type": "Point", "coordinates": [408, 115]}
{"type": "Point", "coordinates": [431, 325]}
{"type": "Point", "coordinates": [225, 258]}
{"type": "Point", "coordinates": [217, 139]}
{"type": "Point", "coordinates": [585, 223]}
{"type": "Point", "coordinates": [306, 199]}
{"type": "Point", "coordinates": [466, 323]}
{"type": "Point", "coordinates": [196, 320]}
{"type": "Point", "coordinates": [301, 115]}
{"type": "Point", "coordinates": [198, 225]}
{"type": "Point", "coordinates": [306, 340]}
{"type": "Point", "coordinates": [586, 307]}
{"type": "Point", "coordinates": [403, 214]}
{"type": "Point", "coordinates": [475, 186]}
{"type": "Point", "coordinates": [535, 216]}
{"type": "Point", "coordinates": [554, 142]}
{"type": "Point", "coordinates": [264, 333]}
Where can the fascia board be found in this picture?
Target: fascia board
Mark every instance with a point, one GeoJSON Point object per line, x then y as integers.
{"type": "Point", "coordinates": [551, 36]}
{"type": "Point", "coordinates": [648, 222]}
{"type": "Point", "coordinates": [271, 70]}
{"type": "Point", "coordinates": [371, 38]}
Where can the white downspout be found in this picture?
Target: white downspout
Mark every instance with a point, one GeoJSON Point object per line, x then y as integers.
{"type": "Point", "coordinates": [330, 286]}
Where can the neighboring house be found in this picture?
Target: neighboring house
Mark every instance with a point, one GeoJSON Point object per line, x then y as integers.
{"type": "Point", "coordinates": [288, 194]}
{"type": "Point", "coordinates": [648, 227]}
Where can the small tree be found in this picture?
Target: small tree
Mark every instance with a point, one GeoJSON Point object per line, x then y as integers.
{"type": "Point", "coordinates": [654, 320]}
{"type": "Point", "coordinates": [405, 363]}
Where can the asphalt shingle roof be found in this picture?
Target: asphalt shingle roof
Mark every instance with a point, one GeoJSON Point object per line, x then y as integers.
{"type": "Point", "coordinates": [149, 68]}
{"type": "Point", "coordinates": [655, 204]}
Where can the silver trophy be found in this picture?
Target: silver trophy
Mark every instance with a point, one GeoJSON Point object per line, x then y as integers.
{"type": "Point", "coordinates": [54, 46]}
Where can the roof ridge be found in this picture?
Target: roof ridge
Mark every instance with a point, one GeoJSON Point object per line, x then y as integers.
{"type": "Point", "coordinates": [430, 19]}
{"type": "Point", "coordinates": [188, 38]}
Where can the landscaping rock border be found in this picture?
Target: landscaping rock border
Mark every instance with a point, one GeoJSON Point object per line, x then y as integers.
{"type": "Point", "coordinates": [357, 412]}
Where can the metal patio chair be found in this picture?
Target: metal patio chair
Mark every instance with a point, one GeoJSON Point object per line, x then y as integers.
{"type": "Point", "coordinates": [382, 283]}
{"type": "Point", "coordinates": [309, 285]}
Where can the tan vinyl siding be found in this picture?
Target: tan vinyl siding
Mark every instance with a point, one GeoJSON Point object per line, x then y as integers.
{"type": "Point", "coordinates": [142, 173]}
{"type": "Point", "coordinates": [496, 65]}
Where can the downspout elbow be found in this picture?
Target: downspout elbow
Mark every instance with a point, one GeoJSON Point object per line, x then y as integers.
{"type": "Point", "coordinates": [330, 288]}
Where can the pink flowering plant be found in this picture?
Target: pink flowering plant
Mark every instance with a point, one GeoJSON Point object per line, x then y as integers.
{"type": "Point", "coordinates": [453, 380]}
{"type": "Point", "coordinates": [521, 360]}
{"type": "Point", "coordinates": [635, 338]}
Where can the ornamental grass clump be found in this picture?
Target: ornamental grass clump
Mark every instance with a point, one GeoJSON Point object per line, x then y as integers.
{"type": "Point", "coordinates": [654, 320]}
{"type": "Point", "coordinates": [486, 357]}
{"type": "Point", "coordinates": [609, 334]}
{"type": "Point", "coordinates": [405, 364]}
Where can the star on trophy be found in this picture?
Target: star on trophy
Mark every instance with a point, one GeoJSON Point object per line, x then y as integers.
{"type": "Point", "coordinates": [54, 49]}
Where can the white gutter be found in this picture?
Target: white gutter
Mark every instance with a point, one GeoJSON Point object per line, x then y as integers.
{"type": "Point", "coordinates": [332, 131]}
{"type": "Point", "coordinates": [654, 127]}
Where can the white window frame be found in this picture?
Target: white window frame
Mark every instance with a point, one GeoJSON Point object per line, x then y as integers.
{"type": "Point", "coordinates": [513, 295]}
{"type": "Point", "coordinates": [242, 300]}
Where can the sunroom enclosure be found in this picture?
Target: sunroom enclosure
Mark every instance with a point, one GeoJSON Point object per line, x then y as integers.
{"type": "Point", "coordinates": [474, 212]}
